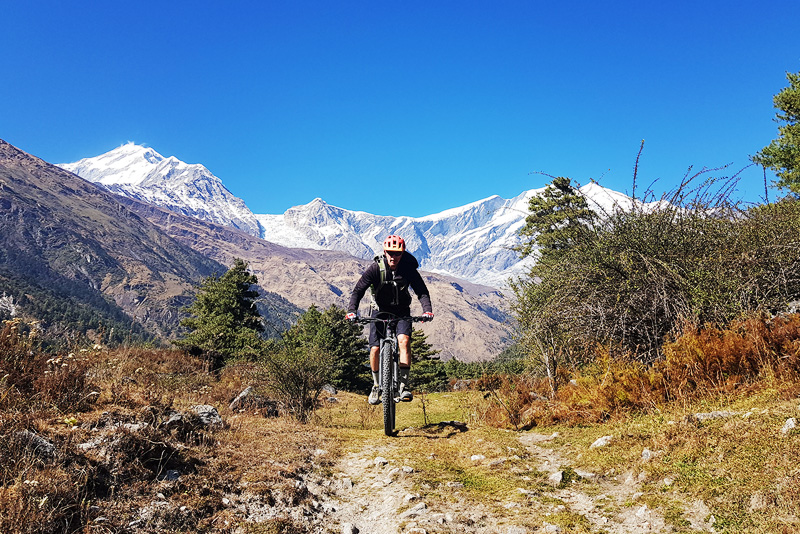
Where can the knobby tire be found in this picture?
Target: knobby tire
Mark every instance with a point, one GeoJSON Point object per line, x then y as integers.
{"type": "Point", "coordinates": [387, 386]}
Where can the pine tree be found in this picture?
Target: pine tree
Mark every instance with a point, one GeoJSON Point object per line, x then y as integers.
{"type": "Point", "coordinates": [558, 219]}
{"type": "Point", "coordinates": [428, 372]}
{"type": "Point", "coordinates": [342, 341]}
{"type": "Point", "coordinates": [223, 321]}
{"type": "Point", "coordinates": [783, 154]}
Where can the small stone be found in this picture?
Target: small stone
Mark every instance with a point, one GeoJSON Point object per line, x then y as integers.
{"type": "Point", "coordinates": [455, 485]}
{"type": "Point", "coordinates": [556, 478]}
{"type": "Point", "coordinates": [380, 461]}
{"type": "Point", "coordinates": [757, 502]}
{"type": "Point", "coordinates": [477, 457]}
{"type": "Point", "coordinates": [668, 482]}
{"type": "Point", "coordinates": [551, 528]}
{"type": "Point", "coordinates": [349, 528]}
{"type": "Point", "coordinates": [647, 455]}
{"type": "Point", "coordinates": [208, 415]}
{"type": "Point", "coordinates": [239, 400]}
{"type": "Point", "coordinates": [414, 511]}
{"type": "Point", "coordinates": [601, 442]}
{"type": "Point", "coordinates": [789, 425]}
{"type": "Point", "coordinates": [407, 469]}
{"type": "Point", "coordinates": [713, 415]}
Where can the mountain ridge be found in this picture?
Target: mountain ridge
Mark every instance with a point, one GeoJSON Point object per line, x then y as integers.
{"type": "Point", "coordinates": [147, 260]}
{"type": "Point", "coordinates": [473, 242]}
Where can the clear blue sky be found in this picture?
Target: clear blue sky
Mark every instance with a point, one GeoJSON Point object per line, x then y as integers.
{"type": "Point", "coordinates": [401, 107]}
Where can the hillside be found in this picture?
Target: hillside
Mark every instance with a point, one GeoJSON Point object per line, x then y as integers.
{"type": "Point", "coordinates": [77, 260]}
{"type": "Point", "coordinates": [471, 320]}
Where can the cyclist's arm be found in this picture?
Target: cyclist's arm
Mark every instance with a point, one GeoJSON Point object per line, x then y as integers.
{"type": "Point", "coordinates": [364, 283]}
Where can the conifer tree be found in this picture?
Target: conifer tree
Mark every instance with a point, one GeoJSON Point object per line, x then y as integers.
{"type": "Point", "coordinates": [223, 320]}
{"type": "Point", "coordinates": [783, 154]}
{"type": "Point", "coordinates": [557, 220]}
{"type": "Point", "coordinates": [428, 372]}
{"type": "Point", "coordinates": [337, 339]}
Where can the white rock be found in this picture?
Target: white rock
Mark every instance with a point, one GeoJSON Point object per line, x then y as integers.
{"type": "Point", "coordinates": [789, 425]}
{"type": "Point", "coordinates": [601, 442]}
{"type": "Point", "coordinates": [477, 457]}
{"type": "Point", "coordinates": [380, 461]}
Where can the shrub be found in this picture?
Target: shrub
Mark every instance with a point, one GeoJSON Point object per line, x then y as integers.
{"type": "Point", "coordinates": [296, 375]}
{"type": "Point", "coordinates": [694, 256]}
{"type": "Point", "coordinates": [750, 353]}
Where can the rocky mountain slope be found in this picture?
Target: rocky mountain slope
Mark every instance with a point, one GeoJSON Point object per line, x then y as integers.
{"type": "Point", "coordinates": [471, 320]}
{"type": "Point", "coordinates": [76, 259]}
{"type": "Point", "coordinates": [64, 235]}
{"type": "Point", "coordinates": [144, 174]}
{"type": "Point", "coordinates": [473, 242]}
{"type": "Point", "coordinates": [145, 260]}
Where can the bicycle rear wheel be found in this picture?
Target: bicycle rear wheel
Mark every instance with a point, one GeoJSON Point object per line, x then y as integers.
{"type": "Point", "coordinates": [387, 386]}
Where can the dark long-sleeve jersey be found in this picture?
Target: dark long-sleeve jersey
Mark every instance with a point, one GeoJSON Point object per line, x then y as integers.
{"type": "Point", "coordinates": [393, 296]}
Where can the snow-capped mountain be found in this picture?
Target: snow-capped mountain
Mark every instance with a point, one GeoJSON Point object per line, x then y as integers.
{"type": "Point", "coordinates": [144, 174]}
{"type": "Point", "coordinates": [473, 242]}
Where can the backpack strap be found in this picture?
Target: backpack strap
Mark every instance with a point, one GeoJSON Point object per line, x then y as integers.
{"type": "Point", "coordinates": [382, 266]}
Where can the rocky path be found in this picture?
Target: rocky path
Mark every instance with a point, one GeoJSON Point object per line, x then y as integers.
{"type": "Point", "coordinates": [369, 493]}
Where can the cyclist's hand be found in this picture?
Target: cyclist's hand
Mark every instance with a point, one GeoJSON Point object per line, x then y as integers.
{"type": "Point", "coordinates": [428, 316]}
{"type": "Point", "coordinates": [351, 316]}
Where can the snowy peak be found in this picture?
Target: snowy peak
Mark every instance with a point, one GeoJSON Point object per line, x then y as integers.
{"type": "Point", "coordinates": [191, 189]}
{"type": "Point", "coordinates": [129, 164]}
{"type": "Point", "coordinates": [475, 242]}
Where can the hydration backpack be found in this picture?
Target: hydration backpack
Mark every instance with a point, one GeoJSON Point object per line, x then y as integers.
{"type": "Point", "coordinates": [396, 288]}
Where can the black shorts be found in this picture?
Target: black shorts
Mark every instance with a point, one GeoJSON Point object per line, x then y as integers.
{"type": "Point", "coordinates": [377, 330]}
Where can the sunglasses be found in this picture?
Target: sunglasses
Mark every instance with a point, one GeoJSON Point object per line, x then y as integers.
{"type": "Point", "coordinates": [394, 254]}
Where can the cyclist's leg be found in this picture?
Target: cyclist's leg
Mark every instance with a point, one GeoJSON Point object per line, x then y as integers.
{"type": "Point", "coordinates": [374, 364]}
{"type": "Point", "coordinates": [404, 348]}
{"type": "Point", "coordinates": [404, 342]}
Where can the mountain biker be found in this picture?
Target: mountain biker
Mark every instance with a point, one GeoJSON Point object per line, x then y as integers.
{"type": "Point", "coordinates": [390, 276]}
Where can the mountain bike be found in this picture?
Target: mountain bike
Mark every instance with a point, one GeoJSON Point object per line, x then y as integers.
{"type": "Point", "coordinates": [389, 363]}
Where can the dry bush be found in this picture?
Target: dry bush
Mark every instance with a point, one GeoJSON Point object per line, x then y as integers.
{"type": "Point", "coordinates": [703, 363]}
{"type": "Point", "coordinates": [711, 360]}
{"type": "Point", "coordinates": [31, 381]}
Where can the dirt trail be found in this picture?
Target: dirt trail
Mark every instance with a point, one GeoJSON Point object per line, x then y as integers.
{"type": "Point", "coordinates": [369, 493]}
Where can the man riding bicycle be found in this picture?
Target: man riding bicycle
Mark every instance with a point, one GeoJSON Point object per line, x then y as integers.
{"type": "Point", "coordinates": [390, 276]}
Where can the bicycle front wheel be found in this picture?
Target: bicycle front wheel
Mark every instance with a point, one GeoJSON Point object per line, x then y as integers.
{"type": "Point", "coordinates": [387, 386]}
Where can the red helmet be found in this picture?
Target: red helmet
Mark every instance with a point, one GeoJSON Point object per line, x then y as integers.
{"type": "Point", "coordinates": [394, 243]}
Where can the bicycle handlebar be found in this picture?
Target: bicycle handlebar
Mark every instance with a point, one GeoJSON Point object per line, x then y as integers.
{"type": "Point", "coordinates": [413, 319]}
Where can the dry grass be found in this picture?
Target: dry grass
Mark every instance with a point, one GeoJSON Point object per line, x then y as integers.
{"type": "Point", "coordinates": [94, 473]}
